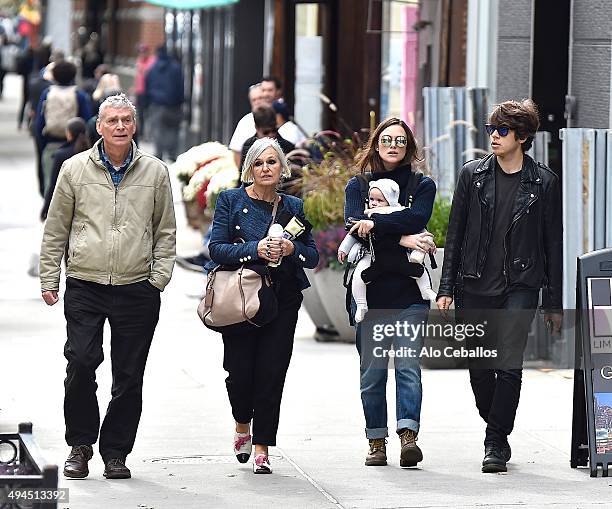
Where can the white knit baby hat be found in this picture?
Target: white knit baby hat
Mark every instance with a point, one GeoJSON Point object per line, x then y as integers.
{"type": "Point", "coordinates": [389, 189]}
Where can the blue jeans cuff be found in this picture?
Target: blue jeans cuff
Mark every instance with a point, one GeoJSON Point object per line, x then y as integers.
{"type": "Point", "coordinates": [408, 423]}
{"type": "Point", "coordinates": [372, 433]}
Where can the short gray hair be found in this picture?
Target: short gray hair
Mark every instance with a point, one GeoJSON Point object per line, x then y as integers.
{"type": "Point", "coordinates": [255, 151]}
{"type": "Point", "coordinates": [119, 101]}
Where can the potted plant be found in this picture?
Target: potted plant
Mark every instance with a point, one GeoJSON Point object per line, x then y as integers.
{"type": "Point", "coordinates": [322, 184]}
{"type": "Point", "coordinates": [204, 171]}
{"type": "Point", "coordinates": [437, 226]}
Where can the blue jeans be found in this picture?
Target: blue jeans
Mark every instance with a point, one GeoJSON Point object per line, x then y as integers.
{"type": "Point", "coordinates": [374, 372]}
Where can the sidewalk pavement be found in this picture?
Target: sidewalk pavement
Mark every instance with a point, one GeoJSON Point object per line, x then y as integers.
{"type": "Point", "coordinates": [183, 454]}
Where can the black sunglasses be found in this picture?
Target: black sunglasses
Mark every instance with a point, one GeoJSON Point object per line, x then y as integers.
{"type": "Point", "coordinates": [501, 130]}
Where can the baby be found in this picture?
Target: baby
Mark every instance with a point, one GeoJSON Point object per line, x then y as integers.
{"type": "Point", "coordinates": [382, 199]}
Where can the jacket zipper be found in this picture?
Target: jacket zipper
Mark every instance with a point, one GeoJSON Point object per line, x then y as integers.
{"type": "Point", "coordinates": [516, 218]}
{"type": "Point", "coordinates": [479, 268]}
{"type": "Point", "coordinates": [114, 223]}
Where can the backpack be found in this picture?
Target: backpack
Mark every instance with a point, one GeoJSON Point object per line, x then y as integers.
{"type": "Point", "coordinates": [60, 106]}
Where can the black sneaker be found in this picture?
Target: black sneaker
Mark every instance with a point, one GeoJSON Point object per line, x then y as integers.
{"type": "Point", "coordinates": [195, 263]}
{"type": "Point", "coordinates": [494, 460]}
{"type": "Point", "coordinates": [115, 469]}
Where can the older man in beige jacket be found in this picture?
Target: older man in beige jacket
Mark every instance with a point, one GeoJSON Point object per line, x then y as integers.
{"type": "Point", "coordinates": [112, 218]}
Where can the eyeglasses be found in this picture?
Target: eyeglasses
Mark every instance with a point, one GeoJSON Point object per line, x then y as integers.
{"type": "Point", "coordinates": [501, 130]}
{"type": "Point", "coordinates": [387, 141]}
{"type": "Point", "coordinates": [113, 122]}
{"type": "Point", "coordinates": [269, 132]}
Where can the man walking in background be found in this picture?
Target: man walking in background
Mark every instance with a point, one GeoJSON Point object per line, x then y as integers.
{"type": "Point", "coordinates": [112, 213]}
{"type": "Point", "coordinates": [165, 94]}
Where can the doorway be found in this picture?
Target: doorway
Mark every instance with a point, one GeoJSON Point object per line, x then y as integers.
{"type": "Point", "coordinates": [550, 70]}
{"type": "Point", "coordinates": [309, 65]}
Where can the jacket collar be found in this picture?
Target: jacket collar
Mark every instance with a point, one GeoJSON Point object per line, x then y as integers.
{"type": "Point", "coordinates": [529, 173]}
{"type": "Point", "coordinates": [94, 155]}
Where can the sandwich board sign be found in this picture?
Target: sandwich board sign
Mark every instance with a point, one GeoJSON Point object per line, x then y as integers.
{"type": "Point", "coordinates": [592, 415]}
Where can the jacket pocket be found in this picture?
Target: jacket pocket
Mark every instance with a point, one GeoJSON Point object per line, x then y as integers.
{"type": "Point", "coordinates": [135, 253]}
{"type": "Point", "coordinates": [78, 244]}
{"type": "Point", "coordinates": [521, 264]}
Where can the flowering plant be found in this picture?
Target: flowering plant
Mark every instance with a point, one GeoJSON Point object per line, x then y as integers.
{"type": "Point", "coordinates": [205, 170]}
{"type": "Point", "coordinates": [322, 183]}
{"type": "Point", "coordinates": [327, 242]}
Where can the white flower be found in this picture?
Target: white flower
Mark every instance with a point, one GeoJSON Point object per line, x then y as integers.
{"type": "Point", "coordinates": [222, 162]}
{"type": "Point", "coordinates": [187, 163]}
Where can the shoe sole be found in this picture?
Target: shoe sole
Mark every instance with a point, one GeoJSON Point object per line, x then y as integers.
{"type": "Point", "coordinates": [74, 475]}
{"type": "Point", "coordinates": [117, 476]}
{"type": "Point", "coordinates": [410, 458]}
{"type": "Point", "coordinates": [376, 463]}
{"type": "Point", "coordinates": [243, 458]}
{"type": "Point", "coordinates": [493, 468]}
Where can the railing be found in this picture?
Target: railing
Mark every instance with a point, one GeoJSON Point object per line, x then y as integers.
{"type": "Point", "coordinates": [587, 199]}
{"type": "Point", "coordinates": [454, 133]}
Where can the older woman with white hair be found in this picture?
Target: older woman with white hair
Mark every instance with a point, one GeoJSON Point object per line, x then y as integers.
{"type": "Point", "coordinates": [257, 362]}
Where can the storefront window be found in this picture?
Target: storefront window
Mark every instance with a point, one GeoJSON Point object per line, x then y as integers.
{"type": "Point", "coordinates": [399, 60]}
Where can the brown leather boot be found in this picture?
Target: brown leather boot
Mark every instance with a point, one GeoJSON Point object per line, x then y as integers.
{"type": "Point", "coordinates": [76, 464]}
{"type": "Point", "coordinates": [411, 454]}
{"type": "Point", "coordinates": [377, 455]}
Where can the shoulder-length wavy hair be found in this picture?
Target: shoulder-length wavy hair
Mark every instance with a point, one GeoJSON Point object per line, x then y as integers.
{"type": "Point", "coordinates": [369, 158]}
{"type": "Point", "coordinates": [255, 151]}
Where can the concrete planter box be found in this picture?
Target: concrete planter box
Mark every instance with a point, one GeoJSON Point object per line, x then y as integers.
{"type": "Point", "coordinates": [442, 362]}
{"type": "Point", "coordinates": [332, 295]}
{"type": "Point", "coordinates": [316, 311]}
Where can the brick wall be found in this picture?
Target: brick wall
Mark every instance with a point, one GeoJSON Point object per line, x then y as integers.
{"type": "Point", "coordinates": [137, 22]}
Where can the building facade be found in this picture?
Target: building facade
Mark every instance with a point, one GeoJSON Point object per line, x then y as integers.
{"type": "Point", "coordinates": [558, 52]}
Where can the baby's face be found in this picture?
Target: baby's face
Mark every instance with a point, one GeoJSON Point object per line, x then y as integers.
{"type": "Point", "coordinates": [376, 199]}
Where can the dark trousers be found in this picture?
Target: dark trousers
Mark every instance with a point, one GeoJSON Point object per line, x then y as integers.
{"type": "Point", "coordinates": [132, 311]}
{"type": "Point", "coordinates": [497, 385]}
{"type": "Point", "coordinates": [142, 115]}
{"type": "Point", "coordinates": [257, 364]}
{"type": "Point", "coordinates": [165, 126]}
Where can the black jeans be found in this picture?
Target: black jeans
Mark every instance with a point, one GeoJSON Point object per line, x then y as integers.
{"type": "Point", "coordinates": [132, 311]}
{"type": "Point", "coordinates": [497, 387]}
{"type": "Point", "coordinates": [257, 364]}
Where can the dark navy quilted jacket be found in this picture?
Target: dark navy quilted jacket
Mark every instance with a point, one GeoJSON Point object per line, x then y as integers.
{"type": "Point", "coordinates": [236, 215]}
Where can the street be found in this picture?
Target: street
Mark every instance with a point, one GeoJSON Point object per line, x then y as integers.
{"type": "Point", "coordinates": [183, 453]}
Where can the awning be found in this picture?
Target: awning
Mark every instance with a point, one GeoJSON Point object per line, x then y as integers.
{"type": "Point", "coordinates": [191, 4]}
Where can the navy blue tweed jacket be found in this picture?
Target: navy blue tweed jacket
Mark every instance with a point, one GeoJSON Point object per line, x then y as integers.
{"type": "Point", "coordinates": [236, 215]}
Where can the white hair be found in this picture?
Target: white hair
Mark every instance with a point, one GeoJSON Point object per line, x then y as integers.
{"type": "Point", "coordinates": [119, 101]}
{"type": "Point", "coordinates": [255, 151]}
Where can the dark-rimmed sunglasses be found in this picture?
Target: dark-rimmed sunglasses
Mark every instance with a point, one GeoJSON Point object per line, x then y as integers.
{"type": "Point", "coordinates": [501, 130]}
{"type": "Point", "coordinates": [400, 141]}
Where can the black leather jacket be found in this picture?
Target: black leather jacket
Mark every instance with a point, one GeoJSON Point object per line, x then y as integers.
{"type": "Point", "coordinates": [533, 242]}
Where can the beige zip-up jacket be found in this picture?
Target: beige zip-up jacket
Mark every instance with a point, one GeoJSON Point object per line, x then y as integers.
{"type": "Point", "coordinates": [114, 235]}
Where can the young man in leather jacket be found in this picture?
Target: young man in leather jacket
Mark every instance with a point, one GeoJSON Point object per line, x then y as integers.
{"type": "Point", "coordinates": [504, 244]}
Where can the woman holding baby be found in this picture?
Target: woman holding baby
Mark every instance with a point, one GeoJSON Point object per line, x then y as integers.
{"type": "Point", "coordinates": [392, 218]}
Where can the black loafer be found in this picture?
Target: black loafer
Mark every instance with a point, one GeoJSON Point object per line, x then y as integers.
{"type": "Point", "coordinates": [115, 469]}
{"type": "Point", "coordinates": [493, 461]}
{"type": "Point", "coordinates": [75, 466]}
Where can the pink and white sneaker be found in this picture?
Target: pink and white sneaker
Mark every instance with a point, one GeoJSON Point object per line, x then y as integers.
{"type": "Point", "coordinates": [261, 464]}
{"type": "Point", "coordinates": [242, 446]}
